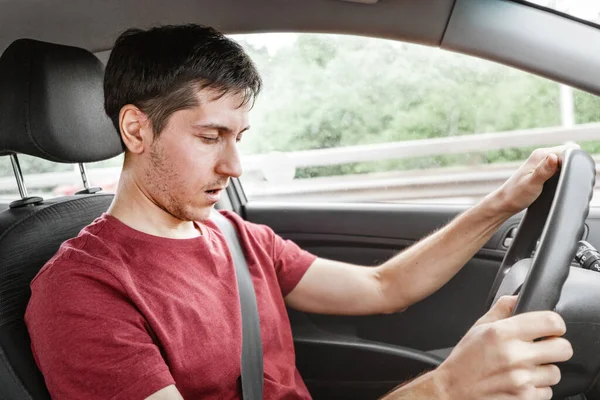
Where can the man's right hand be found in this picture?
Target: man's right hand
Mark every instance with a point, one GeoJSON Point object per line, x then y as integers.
{"type": "Point", "coordinates": [499, 358]}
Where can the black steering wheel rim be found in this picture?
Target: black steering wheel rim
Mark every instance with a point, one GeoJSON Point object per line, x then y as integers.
{"type": "Point", "coordinates": [557, 218]}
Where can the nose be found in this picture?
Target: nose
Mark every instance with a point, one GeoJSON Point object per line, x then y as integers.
{"type": "Point", "coordinates": [230, 163]}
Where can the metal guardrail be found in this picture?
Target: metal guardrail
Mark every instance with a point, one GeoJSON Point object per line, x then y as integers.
{"type": "Point", "coordinates": [442, 183]}
{"type": "Point", "coordinates": [431, 147]}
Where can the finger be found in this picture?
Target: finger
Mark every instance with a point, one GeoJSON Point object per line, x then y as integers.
{"type": "Point", "coordinates": [502, 309]}
{"type": "Point", "coordinates": [539, 154]}
{"type": "Point", "coordinates": [545, 375]}
{"type": "Point", "coordinates": [521, 383]}
{"type": "Point", "coordinates": [545, 169]}
{"type": "Point", "coordinates": [544, 393]}
{"type": "Point", "coordinates": [551, 350]}
{"type": "Point", "coordinates": [524, 354]}
{"type": "Point", "coordinates": [540, 377]}
{"type": "Point", "coordinates": [533, 393]}
{"type": "Point", "coordinates": [532, 325]}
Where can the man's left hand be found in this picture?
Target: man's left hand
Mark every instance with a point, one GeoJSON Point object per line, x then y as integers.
{"type": "Point", "coordinates": [526, 184]}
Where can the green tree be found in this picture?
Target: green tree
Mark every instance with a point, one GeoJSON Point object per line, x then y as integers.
{"type": "Point", "coordinates": [328, 91]}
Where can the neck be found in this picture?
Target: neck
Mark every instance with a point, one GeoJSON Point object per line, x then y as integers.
{"type": "Point", "coordinates": [134, 207]}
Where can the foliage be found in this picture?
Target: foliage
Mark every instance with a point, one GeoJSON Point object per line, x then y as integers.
{"type": "Point", "coordinates": [328, 91]}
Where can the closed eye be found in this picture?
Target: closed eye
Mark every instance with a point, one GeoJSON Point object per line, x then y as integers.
{"type": "Point", "coordinates": [209, 139]}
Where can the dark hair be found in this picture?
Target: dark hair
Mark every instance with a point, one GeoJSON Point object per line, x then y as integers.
{"type": "Point", "coordinates": [160, 71]}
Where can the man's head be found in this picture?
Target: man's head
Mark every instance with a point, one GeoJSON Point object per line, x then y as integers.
{"type": "Point", "coordinates": [180, 97]}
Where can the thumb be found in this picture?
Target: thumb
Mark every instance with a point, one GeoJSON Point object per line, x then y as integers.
{"type": "Point", "coordinates": [501, 310]}
{"type": "Point", "coordinates": [545, 169]}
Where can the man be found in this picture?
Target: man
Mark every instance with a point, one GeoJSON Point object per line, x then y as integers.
{"type": "Point", "coordinates": [148, 291]}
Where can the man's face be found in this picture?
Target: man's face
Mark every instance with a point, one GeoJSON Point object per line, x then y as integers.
{"type": "Point", "coordinates": [190, 163]}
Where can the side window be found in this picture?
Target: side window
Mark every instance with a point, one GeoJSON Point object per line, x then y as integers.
{"type": "Point", "coordinates": [345, 118]}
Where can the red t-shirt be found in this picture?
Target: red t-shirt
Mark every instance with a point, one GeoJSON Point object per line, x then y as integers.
{"type": "Point", "coordinates": [120, 314]}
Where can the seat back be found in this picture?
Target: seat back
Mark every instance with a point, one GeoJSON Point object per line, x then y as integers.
{"type": "Point", "coordinates": [30, 237]}
{"type": "Point", "coordinates": [51, 106]}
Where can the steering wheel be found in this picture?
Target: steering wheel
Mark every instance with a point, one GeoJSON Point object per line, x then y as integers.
{"type": "Point", "coordinates": [557, 218]}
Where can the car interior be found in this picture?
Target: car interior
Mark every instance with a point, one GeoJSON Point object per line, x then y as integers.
{"type": "Point", "coordinates": [51, 107]}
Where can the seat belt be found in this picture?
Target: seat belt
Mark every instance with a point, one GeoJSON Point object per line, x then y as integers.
{"type": "Point", "coordinates": [252, 354]}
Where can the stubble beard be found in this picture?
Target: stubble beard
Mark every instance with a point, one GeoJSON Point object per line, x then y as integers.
{"type": "Point", "coordinates": [163, 180]}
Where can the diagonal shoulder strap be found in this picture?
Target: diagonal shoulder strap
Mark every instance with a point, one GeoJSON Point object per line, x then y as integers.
{"type": "Point", "coordinates": [252, 354]}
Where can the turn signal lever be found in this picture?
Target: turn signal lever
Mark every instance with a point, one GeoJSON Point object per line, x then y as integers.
{"type": "Point", "coordinates": [587, 256]}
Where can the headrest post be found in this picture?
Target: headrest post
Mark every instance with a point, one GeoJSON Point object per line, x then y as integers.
{"type": "Point", "coordinates": [84, 178]}
{"type": "Point", "coordinates": [19, 175]}
{"type": "Point", "coordinates": [86, 184]}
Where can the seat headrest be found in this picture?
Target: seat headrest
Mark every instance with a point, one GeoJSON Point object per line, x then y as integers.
{"type": "Point", "coordinates": [51, 104]}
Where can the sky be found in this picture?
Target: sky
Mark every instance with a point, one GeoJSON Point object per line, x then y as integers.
{"type": "Point", "coordinates": [272, 41]}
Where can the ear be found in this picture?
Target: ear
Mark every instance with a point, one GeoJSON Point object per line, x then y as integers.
{"type": "Point", "coordinates": [136, 129]}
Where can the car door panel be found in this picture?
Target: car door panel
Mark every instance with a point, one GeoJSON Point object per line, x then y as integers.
{"type": "Point", "coordinates": [371, 234]}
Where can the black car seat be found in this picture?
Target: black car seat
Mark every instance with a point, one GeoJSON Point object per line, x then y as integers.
{"type": "Point", "coordinates": [51, 106]}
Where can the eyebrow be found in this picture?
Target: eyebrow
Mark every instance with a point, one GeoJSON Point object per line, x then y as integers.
{"type": "Point", "coordinates": [221, 128]}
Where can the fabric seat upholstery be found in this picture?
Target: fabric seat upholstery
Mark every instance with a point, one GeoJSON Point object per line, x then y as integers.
{"type": "Point", "coordinates": [51, 106]}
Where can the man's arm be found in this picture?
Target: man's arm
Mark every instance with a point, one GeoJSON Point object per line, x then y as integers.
{"type": "Point", "coordinates": [331, 287]}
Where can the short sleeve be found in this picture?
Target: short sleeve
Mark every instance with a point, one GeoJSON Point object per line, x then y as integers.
{"type": "Point", "coordinates": [290, 261]}
{"type": "Point", "coordinates": [89, 340]}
